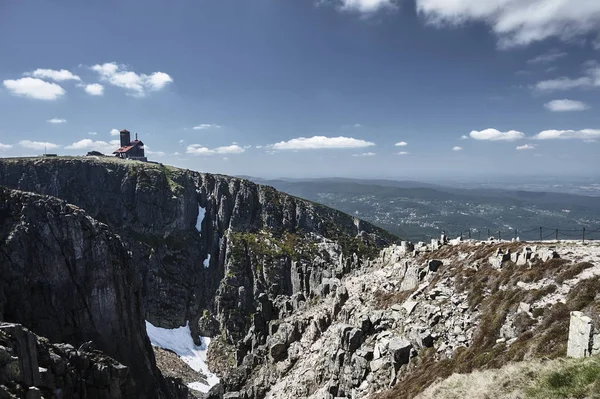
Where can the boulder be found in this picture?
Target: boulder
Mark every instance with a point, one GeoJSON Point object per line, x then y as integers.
{"type": "Point", "coordinates": [399, 349]}
{"type": "Point", "coordinates": [580, 336]}
{"type": "Point", "coordinates": [434, 265]}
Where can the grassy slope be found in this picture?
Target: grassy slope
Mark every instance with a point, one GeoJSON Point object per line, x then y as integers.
{"type": "Point", "coordinates": [559, 378]}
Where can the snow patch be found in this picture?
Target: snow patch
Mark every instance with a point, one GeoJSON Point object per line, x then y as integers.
{"type": "Point", "coordinates": [201, 214]}
{"type": "Point", "coordinates": [179, 340]}
{"type": "Point", "coordinates": [206, 262]}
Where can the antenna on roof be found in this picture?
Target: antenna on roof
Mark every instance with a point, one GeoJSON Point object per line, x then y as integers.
{"type": "Point", "coordinates": [136, 136]}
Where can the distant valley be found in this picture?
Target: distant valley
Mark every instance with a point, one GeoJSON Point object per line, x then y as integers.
{"type": "Point", "coordinates": [419, 210]}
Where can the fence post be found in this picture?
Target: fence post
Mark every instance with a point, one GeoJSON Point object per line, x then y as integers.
{"type": "Point", "coordinates": [499, 236]}
{"type": "Point", "coordinates": [461, 235]}
{"type": "Point", "coordinates": [469, 234]}
{"type": "Point", "coordinates": [556, 234]}
{"type": "Point", "coordinates": [583, 240]}
{"type": "Point", "coordinates": [540, 234]}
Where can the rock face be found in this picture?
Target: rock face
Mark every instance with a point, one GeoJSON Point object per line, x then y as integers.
{"type": "Point", "coordinates": [32, 367]}
{"type": "Point", "coordinates": [227, 255]}
{"type": "Point", "coordinates": [67, 277]}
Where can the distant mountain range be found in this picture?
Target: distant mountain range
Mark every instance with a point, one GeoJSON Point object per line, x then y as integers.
{"type": "Point", "coordinates": [418, 210]}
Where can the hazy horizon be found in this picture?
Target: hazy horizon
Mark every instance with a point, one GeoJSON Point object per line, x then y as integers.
{"type": "Point", "coordinates": [415, 89]}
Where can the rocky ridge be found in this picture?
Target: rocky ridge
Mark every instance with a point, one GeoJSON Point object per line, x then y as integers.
{"type": "Point", "coordinates": [379, 331]}
{"type": "Point", "coordinates": [304, 301]}
{"type": "Point", "coordinates": [223, 254]}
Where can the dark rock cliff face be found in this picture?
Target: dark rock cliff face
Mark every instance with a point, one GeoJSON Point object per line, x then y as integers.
{"type": "Point", "coordinates": [67, 277]}
{"type": "Point", "coordinates": [225, 254]}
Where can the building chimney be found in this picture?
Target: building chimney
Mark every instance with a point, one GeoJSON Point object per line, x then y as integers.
{"type": "Point", "coordinates": [136, 136]}
{"type": "Point", "coordinates": [125, 138]}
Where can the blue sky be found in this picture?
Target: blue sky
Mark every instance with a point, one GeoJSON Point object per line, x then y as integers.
{"type": "Point", "coordinates": [309, 88]}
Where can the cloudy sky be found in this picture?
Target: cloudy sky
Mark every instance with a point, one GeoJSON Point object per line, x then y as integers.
{"type": "Point", "coordinates": [364, 88]}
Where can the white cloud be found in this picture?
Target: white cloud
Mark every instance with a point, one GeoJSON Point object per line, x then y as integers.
{"type": "Point", "coordinates": [38, 145]}
{"type": "Point", "coordinates": [155, 153]}
{"type": "Point", "coordinates": [136, 84]}
{"type": "Point", "coordinates": [56, 121]}
{"type": "Point", "coordinates": [34, 88]}
{"type": "Point", "coordinates": [89, 144]}
{"type": "Point", "coordinates": [357, 125]}
{"type": "Point", "coordinates": [230, 149]}
{"type": "Point", "coordinates": [4, 147]}
{"type": "Point", "coordinates": [204, 126]}
{"type": "Point", "coordinates": [550, 56]}
{"type": "Point", "coordinates": [464, 137]}
{"type": "Point", "coordinates": [401, 144]}
{"type": "Point", "coordinates": [403, 153]}
{"type": "Point", "coordinates": [496, 135]}
{"type": "Point", "coordinates": [591, 79]}
{"type": "Point", "coordinates": [585, 134]}
{"type": "Point", "coordinates": [198, 149]}
{"type": "Point", "coordinates": [92, 133]}
{"type": "Point", "coordinates": [526, 147]}
{"type": "Point", "coordinates": [258, 146]}
{"type": "Point", "coordinates": [457, 148]}
{"type": "Point", "coordinates": [365, 154]}
{"type": "Point", "coordinates": [115, 132]}
{"type": "Point", "coordinates": [94, 89]}
{"type": "Point", "coordinates": [366, 6]}
{"type": "Point", "coordinates": [566, 105]}
{"type": "Point", "coordinates": [518, 22]}
{"type": "Point", "coordinates": [321, 142]}
{"type": "Point", "coordinates": [564, 84]}
{"type": "Point", "coordinates": [57, 76]}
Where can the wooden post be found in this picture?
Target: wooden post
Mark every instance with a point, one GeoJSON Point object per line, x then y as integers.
{"type": "Point", "coordinates": [540, 234]}
{"type": "Point", "coordinates": [583, 240]}
{"type": "Point", "coordinates": [469, 234]}
{"type": "Point", "coordinates": [499, 236]}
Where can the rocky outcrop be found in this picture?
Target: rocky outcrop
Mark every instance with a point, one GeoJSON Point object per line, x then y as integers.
{"type": "Point", "coordinates": [227, 255]}
{"type": "Point", "coordinates": [68, 278]}
{"type": "Point", "coordinates": [203, 242]}
{"type": "Point", "coordinates": [584, 340]}
{"type": "Point", "coordinates": [32, 367]}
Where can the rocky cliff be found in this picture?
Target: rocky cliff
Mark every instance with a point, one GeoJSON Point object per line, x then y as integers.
{"type": "Point", "coordinates": [68, 278]}
{"type": "Point", "coordinates": [301, 301]}
{"type": "Point", "coordinates": [224, 254]}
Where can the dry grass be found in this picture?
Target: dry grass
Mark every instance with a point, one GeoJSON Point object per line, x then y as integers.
{"type": "Point", "coordinates": [548, 339]}
{"type": "Point", "coordinates": [561, 378]}
{"type": "Point", "coordinates": [572, 271]}
{"type": "Point", "coordinates": [384, 300]}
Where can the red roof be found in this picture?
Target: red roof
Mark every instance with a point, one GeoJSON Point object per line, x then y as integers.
{"type": "Point", "coordinates": [124, 149]}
